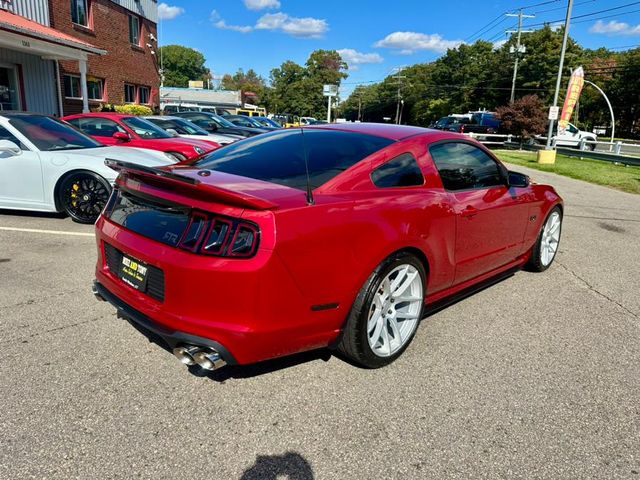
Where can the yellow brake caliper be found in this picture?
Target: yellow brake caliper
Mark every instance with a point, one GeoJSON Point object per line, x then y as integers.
{"type": "Point", "coordinates": [74, 189]}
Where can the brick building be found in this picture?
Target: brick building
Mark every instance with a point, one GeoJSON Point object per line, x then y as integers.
{"type": "Point", "coordinates": [67, 56]}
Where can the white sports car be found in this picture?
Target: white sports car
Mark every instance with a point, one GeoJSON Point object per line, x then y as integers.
{"type": "Point", "coordinates": [184, 128]}
{"type": "Point", "coordinates": [49, 166]}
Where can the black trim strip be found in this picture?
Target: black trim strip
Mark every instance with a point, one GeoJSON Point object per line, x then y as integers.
{"type": "Point", "coordinates": [324, 306]}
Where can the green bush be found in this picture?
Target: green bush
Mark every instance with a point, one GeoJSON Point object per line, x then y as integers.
{"type": "Point", "coordinates": [131, 109]}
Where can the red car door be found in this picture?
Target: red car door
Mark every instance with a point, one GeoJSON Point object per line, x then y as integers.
{"type": "Point", "coordinates": [491, 218]}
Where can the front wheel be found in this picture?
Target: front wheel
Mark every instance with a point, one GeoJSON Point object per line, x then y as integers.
{"type": "Point", "coordinates": [546, 247]}
{"type": "Point", "coordinates": [82, 195]}
{"type": "Point", "coordinates": [386, 313]}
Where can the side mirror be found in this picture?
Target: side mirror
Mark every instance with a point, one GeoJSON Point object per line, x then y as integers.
{"type": "Point", "coordinates": [172, 132]}
{"type": "Point", "coordinates": [7, 146]}
{"type": "Point", "coordinates": [518, 180]}
{"type": "Point", "coordinates": [122, 136]}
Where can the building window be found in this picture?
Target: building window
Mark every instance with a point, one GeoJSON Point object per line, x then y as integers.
{"type": "Point", "coordinates": [129, 93]}
{"type": "Point", "coordinates": [134, 30]}
{"type": "Point", "coordinates": [144, 93]}
{"type": "Point", "coordinates": [80, 12]}
{"type": "Point", "coordinates": [95, 87]}
{"type": "Point", "coordinates": [73, 89]}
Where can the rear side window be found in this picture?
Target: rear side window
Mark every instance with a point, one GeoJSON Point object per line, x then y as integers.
{"type": "Point", "coordinates": [402, 171]}
{"type": "Point", "coordinates": [463, 166]}
{"type": "Point", "coordinates": [279, 157]}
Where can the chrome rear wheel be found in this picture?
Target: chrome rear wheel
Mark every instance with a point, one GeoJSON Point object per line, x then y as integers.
{"type": "Point", "coordinates": [550, 238]}
{"type": "Point", "coordinates": [394, 311]}
{"type": "Point", "coordinates": [385, 315]}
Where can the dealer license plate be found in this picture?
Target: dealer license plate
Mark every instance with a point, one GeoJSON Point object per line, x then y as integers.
{"type": "Point", "coordinates": [133, 272]}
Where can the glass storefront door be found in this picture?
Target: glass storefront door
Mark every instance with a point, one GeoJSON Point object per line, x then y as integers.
{"type": "Point", "coordinates": [9, 92]}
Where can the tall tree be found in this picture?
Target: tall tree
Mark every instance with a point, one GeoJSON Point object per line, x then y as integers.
{"type": "Point", "coordinates": [182, 64]}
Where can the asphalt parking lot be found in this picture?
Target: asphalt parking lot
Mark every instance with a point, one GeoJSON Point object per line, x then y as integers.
{"type": "Point", "coordinates": [535, 377]}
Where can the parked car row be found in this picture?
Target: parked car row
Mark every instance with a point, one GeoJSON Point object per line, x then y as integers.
{"type": "Point", "coordinates": [54, 165]}
{"type": "Point", "coordinates": [488, 123]}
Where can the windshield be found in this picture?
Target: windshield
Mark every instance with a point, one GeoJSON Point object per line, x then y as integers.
{"type": "Point", "coordinates": [267, 122]}
{"type": "Point", "coordinates": [222, 122]}
{"type": "Point", "coordinates": [279, 157]}
{"type": "Point", "coordinates": [49, 134]}
{"type": "Point", "coordinates": [144, 128]}
{"type": "Point", "coordinates": [190, 127]}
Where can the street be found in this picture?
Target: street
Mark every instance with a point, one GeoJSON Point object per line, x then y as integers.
{"type": "Point", "coordinates": [534, 377]}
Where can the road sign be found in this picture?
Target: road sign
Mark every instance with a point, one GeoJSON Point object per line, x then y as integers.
{"type": "Point", "coordinates": [553, 113]}
{"type": "Point", "coordinates": [329, 90]}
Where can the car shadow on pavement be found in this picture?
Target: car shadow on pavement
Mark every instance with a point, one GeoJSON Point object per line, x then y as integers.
{"type": "Point", "coordinates": [262, 368]}
{"type": "Point", "coordinates": [25, 213]}
{"type": "Point", "coordinates": [290, 465]}
{"type": "Point", "coordinates": [281, 363]}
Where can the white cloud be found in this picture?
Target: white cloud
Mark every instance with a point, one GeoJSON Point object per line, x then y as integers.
{"type": "Point", "coordinates": [261, 4]}
{"type": "Point", "coordinates": [167, 12]}
{"type": "Point", "coordinates": [410, 42]}
{"type": "Point", "coordinates": [497, 45]}
{"type": "Point", "coordinates": [614, 28]}
{"type": "Point", "coordinates": [221, 24]}
{"type": "Point", "coordinates": [296, 27]}
{"type": "Point", "coordinates": [353, 57]}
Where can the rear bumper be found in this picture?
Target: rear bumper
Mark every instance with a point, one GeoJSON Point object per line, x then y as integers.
{"type": "Point", "coordinates": [251, 308]}
{"type": "Point", "coordinates": [155, 331]}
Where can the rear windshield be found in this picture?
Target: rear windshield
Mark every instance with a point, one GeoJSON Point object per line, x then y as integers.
{"type": "Point", "coordinates": [278, 157]}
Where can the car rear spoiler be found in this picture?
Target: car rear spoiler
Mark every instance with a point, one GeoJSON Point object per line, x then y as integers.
{"type": "Point", "coordinates": [186, 184]}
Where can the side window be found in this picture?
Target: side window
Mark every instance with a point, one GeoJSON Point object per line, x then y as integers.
{"type": "Point", "coordinates": [463, 166]}
{"type": "Point", "coordinates": [402, 171]}
{"type": "Point", "coordinates": [100, 127]}
{"type": "Point", "coordinates": [7, 135]}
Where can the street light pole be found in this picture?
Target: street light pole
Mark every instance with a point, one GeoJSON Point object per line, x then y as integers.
{"type": "Point", "coordinates": [613, 119]}
{"type": "Point", "coordinates": [559, 79]}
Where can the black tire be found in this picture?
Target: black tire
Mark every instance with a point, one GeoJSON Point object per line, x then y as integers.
{"type": "Point", "coordinates": [535, 263]}
{"type": "Point", "coordinates": [82, 195]}
{"type": "Point", "coordinates": [353, 342]}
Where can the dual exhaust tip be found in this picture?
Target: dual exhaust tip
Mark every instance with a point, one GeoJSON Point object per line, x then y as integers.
{"type": "Point", "coordinates": [206, 357]}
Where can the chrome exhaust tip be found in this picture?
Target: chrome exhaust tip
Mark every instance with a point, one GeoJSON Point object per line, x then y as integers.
{"type": "Point", "coordinates": [186, 353]}
{"type": "Point", "coordinates": [96, 294]}
{"type": "Point", "coordinates": [209, 359]}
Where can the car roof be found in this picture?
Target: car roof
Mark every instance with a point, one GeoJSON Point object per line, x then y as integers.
{"type": "Point", "coordinates": [385, 130]}
{"type": "Point", "coordinates": [112, 115]}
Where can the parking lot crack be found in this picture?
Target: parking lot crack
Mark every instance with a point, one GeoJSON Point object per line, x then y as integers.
{"type": "Point", "coordinates": [51, 330]}
{"type": "Point", "coordinates": [598, 292]}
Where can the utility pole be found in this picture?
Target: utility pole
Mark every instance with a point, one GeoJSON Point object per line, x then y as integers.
{"type": "Point", "coordinates": [398, 78]}
{"type": "Point", "coordinates": [359, 105]}
{"type": "Point", "coordinates": [518, 48]}
{"type": "Point", "coordinates": [559, 79]}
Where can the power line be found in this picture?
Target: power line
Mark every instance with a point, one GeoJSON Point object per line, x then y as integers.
{"type": "Point", "coordinates": [588, 14]}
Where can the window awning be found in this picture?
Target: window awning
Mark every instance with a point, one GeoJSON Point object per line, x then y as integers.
{"type": "Point", "coordinates": [22, 34]}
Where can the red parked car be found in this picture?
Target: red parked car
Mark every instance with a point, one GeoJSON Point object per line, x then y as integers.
{"type": "Point", "coordinates": [132, 131]}
{"type": "Point", "coordinates": [335, 235]}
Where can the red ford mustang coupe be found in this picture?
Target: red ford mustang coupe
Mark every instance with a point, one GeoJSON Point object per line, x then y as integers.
{"type": "Point", "coordinates": [334, 235]}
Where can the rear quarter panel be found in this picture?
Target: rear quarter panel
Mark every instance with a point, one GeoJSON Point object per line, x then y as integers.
{"type": "Point", "coordinates": [332, 247]}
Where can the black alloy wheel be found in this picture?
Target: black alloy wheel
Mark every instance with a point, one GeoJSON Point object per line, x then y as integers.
{"type": "Point", "coordinates": [83, 195]}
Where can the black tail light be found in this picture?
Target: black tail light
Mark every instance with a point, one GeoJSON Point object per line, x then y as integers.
{"type": "Point", "coordinates": [220, 236]}
{"type": "Point", "coordinates": [179, 226]}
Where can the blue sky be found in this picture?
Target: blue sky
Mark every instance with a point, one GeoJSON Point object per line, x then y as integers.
{"type": "Point", "coordinates": [374, 36]}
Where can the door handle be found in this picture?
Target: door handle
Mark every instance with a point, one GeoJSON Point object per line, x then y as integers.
{"type": "Point", "coordinates": [469, 211]}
